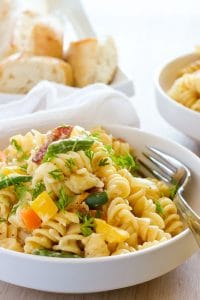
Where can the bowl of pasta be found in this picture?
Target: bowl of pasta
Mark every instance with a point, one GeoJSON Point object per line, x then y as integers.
{"type": "Point", "coordinates": [77, 217]}
{"type": "Point", "coordinates": [177, 86]}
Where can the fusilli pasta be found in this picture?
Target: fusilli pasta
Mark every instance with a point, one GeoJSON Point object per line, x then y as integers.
{"type": "Point", "coordinates": [77, 193]}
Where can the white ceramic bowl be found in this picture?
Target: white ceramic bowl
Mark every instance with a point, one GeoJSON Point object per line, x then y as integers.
{"type": "Point", "coordinates": [177, 115]}
{"type": "Point", "coordinates": [106, 273]}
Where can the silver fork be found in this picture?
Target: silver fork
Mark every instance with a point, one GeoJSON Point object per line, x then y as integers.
{"type": "Point", "coordinates": [164, 167]}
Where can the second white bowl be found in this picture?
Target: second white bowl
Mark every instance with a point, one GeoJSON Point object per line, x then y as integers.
{"type": "Point", "coordinates": [177, 115]}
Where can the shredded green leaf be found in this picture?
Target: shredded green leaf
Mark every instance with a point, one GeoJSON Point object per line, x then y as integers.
{"type": "Point", "coordinates": [159, 208]}
{"type": "Point", "coordinates": [126, 161]}
{"type": "Point", "coordinates": [109, 149]}
{"type": "Point", "coordinates": [103, 162]}
{"type": "Point", "coordinates": [70, 163]}
{"type": "Point", "coordinates": [24, 167]}
{"type": "Point", "coordinates": [173, 189]}
{"type": "Point", "coordinates": [87, 224]}
{"type": "Point", "coordinates": [57, 174]}
{"type": "Point", "coordinates": [2, 220]}
{"type": "Point", "coordinates": [23, 155]}
{"type": "Point", "coordinates": [38, 189]}
{"type": "Point", "coordinates": [64, 200]}
{"type": "Point", "coordinates": [21, 191]}
{"type": "Point", "coordinates": [16, 145]}
{"type": "Point", "coordinates": [95, 135]}
{"type": "Point", "coordinates": [90, 154]}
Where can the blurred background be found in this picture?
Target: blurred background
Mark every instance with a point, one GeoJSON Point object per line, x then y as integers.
{"type": "Point", "coordinates": [147, 34]}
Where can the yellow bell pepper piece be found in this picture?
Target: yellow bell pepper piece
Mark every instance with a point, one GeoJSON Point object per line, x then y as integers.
{"type": "Point", "coordinates": [12, 170]}
{"type": "Point", "coordinates": [111, 233]}
{"type": "Point", "coordinates": [44, 206]}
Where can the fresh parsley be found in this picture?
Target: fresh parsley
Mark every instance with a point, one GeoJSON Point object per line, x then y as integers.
{"type": "Point", "coordinates": [90, 154]}
{"type": "Point", "coordinates": [57, 174]}
{"type": "Point", "coordinates": [23, 155]}
{"type": "Point", "coordinates": [173, 188]}
{"type": "Point", "coordinates": [21, 191]}
{"type": "Point", "coordinates": [159, 208]}
{"type": "Point", "coordinates": [95, 135]}
{"type": "Point", "coordinates": [70, 163]}
{"type": "Point", "coordinates": [64, 200]}
{"type": "Point", "coordinates": [16, 145]}
{"type": "Point", "coordinates": [2, 220]}
{"type": "Point", "coordinates": [103, 162]}
{"type": "Point", "coordinates": [38, 189]}
{"type": "Point", "coordinates": [87, 224]}
{"type": "Point", "coordinates": [109, 149]}
{"type": "Point", "coordinates": [126, 161]}
{"type": "Point", "coordinates": [24, 167]}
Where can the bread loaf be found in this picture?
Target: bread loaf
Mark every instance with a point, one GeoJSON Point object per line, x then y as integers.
{"type": "Point", "coordinates": [20, 72]}
{"type": "Point", "coordinates": [8, 9]}
{"type": "Point", "coordinates": [37, 35]}
{"type": "Point", "coordinates": [92, 61]}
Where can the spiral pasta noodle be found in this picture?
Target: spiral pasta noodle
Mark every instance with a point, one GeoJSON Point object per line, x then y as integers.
{"type": "Point", "coordinates": [50, 232]}
{"type": "Point", "coordinates": [145, 208]}
{"type": "Point", "coordinates": [173, 224]}
{"type": "Point", "coordinates": [186, 88]}
{"type": "Point", "coordinates": [119, 214]}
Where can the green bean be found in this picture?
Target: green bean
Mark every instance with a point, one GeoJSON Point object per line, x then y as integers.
{"type": "Point", "coordinates": [96, 199]}
{"type": "Point", "coordinates": [45, 252]}
{"type": "Point", "coordinates": [64, 146]}
{"type": "Point", "coordinates": [13, 180]}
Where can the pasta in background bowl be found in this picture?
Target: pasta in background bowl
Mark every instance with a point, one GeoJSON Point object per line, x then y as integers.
{"type": "Point", "coordinates": [101, 271]}
{"type": "Point", "coordinates": [176, 92]}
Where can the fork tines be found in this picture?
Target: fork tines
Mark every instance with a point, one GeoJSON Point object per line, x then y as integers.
{"type": "Point", "coordinates": [164, 168]}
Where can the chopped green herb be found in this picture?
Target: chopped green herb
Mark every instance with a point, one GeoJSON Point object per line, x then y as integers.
{"type": "Point", "coordinates": [50, 253]}
{"type": "Point", "coordinates": [38, 189]}
{"type": "Point", "coordinates": [95, 135]}
{"type": "Point", "coordinates": [70, 163]}
{"type": "Point", "coordinates": [21, 191]}
{"type": "Point", "coordinates": [127, 161]}
{"type": "Point", "coordinates": [103, 162]}
{"type": "Point", "coordinates": [109, 149]}
{"type": "Point", "coordinates": [64, 200]}
{"type": "Point", "coordinates": [159, 208]}
{"type": "Point", "coordinates": [2, 220]}
{"type": "Point", "coordinates": [57, 174]}
{"type": "Point", "coordinates": [24, 167]}
{"type": "Point", "coordinates": [15, 207]}
{"type": "Point", "coordinates": [16, 145]}
{"type": "Point", "coordinates": [24, 156]}
{"type": "Point", "coordinates": [173, 188]}
{"type": "Point", "coordinates": [87, 224]}
{"type": "Point", "coordinates": [90, 154]}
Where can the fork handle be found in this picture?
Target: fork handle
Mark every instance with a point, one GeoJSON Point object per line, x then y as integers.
{"type": "Point", "coordinates": [191, 218]}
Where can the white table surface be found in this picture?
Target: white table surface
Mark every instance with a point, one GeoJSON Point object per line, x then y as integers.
{"type": "Point", "coordinates": [147, 34]}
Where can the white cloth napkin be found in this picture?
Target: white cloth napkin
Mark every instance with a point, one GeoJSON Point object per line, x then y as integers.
{"type": "Point", "coordinates": [96, 103]}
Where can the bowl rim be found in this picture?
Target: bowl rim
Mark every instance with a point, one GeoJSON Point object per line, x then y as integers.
{"type": "Point", "coordinates": [160, 69]}
{"type": "Point", "coordinates": [186, 232]}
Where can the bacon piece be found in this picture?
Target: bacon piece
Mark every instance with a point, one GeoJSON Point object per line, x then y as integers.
{"type": "Point", "coordinates": [40, 154]}
{"type": "Point", "coordinates": [61, 132]}
{"type": "Point", "coordinates": [56, 134]}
